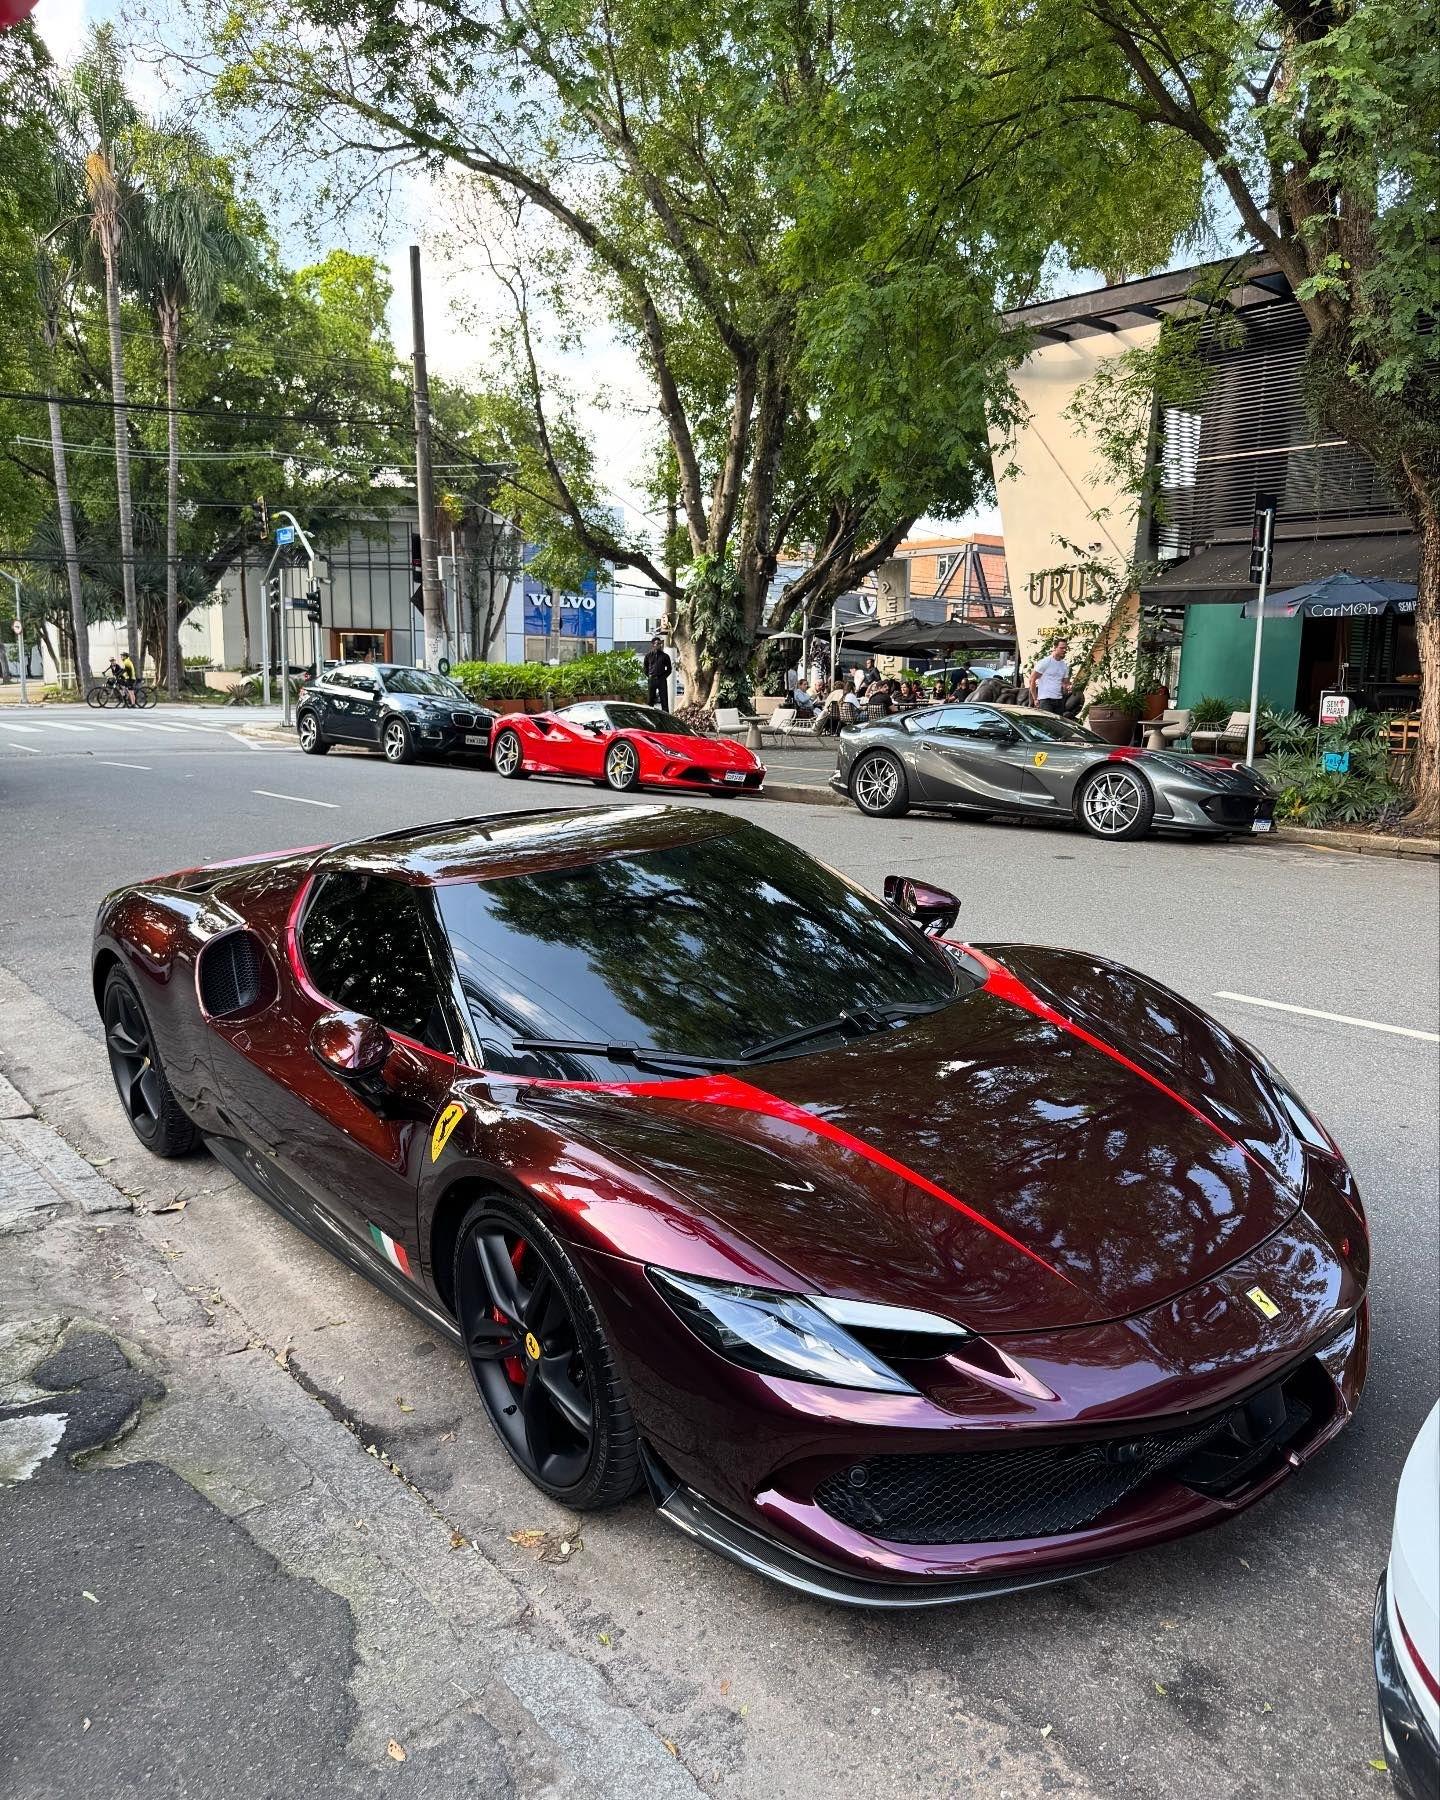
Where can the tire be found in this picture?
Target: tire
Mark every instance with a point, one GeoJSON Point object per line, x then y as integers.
{"type": "Point", "coordinates": [156, 1116]}
{"type": "Point", "coordinates": [307, 728]}
{"type": "Point", "coordinates": [507, 757]}
{"type": "Point", "coordinates": [146, 696]}
{"type": "Point", "coordinates": [98, 695]}
{"type": "Point", "coordinates": [622, 766]}
{"type": "Point", "coordinates": [539, 1358]}
{"type": "Point", "coordinates": [1115, 803]}
{"type": "Point", "coordinates": [878, 786]}
{"type": "Point", "coordinates": [396, 743]}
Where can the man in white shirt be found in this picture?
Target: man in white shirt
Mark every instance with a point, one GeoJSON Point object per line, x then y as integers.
{"type": "Point", "coordinates": [1050, 679]}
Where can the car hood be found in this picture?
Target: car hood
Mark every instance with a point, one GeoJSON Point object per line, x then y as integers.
{"type": "Point", "coordinates": [717, 752]}
{"type": "Point", "coordinates": [1012, 1169]}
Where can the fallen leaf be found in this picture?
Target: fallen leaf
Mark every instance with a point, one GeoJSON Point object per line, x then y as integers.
{"type": "Point", "coordinates": [1379, 1763]}
{"type": "Point", "coordinates": [283, 1357]}
{"type": "Point", "coordinates": [1243, 1563]}
{"type": "Point", "coordinates": [552, 1547]}
{"type": "Point", "coordinates": [1159, 1687]}
{"type": "Point", "coordinates": [604, 1638]}
{"type": "Point", "coordinates": [1267, 1707]}
{"type": "Point", "coordinates": [99, 1162]}
{"type": "Point", "coordinates": [1045, 1730]}
{"type": "Point", "coordinates": [529, 1539]}
{"type": "Point", "coordinates": [404, 1405]}
{"type": "Point", "coordinates": [174, 1206]}
{"type": "Point", "coordinates": [459, 1541]}
{"type": "Point", "coordinates": [396, 1752]}
{"type": "Point", "coordinates": [724, 1687]}
{"type": "Point", "coordinates": [87, 1595]}
{"type": "Point", "coordinates": [564, 1546]}
{"type": "Point", "coordinates": [745, 1709]}
{"type": "Point", "coordinates": [670, 1747]}
{"type": "Point", "coordinates": [446, 1437]}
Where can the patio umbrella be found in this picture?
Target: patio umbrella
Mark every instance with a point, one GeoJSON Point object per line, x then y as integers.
{"type": "Point", "coordinates": [1338, 596]}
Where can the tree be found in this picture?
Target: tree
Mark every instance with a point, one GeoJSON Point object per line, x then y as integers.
{"type": "Point", "coordinates": [1318, 127]}
{"type": "Point", "coordinates": [185, 247]}
{"type": "Point", "coordinates": [111, 117]}
{"type": "Point", "coordinates": [770, 215]}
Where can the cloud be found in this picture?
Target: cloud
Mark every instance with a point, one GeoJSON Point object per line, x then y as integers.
{"type": "Point", "coordinates": [63, 25]}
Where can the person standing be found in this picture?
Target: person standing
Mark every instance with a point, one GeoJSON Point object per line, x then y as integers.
{"type": "Point", "coordinates": [658, 670]}
{"type": "Point", "coordinates": [1050, 678]}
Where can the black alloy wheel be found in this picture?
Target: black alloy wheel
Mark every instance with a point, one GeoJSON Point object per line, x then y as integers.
{"type": "Point", "coordinates": [878, 787]}
{"type": "Point", "coordinates": [622, 766]}
{"type": "Point", "coordinates": [155, 1115]}
{"type": "Point", "coordinates": [539, 1358]}
{"type": "Point", "coordinates": [312, 743]}
{"type": "Point", "coordinates": [508, 756]}
{"type": "Point", "coordinates": [396, 742]}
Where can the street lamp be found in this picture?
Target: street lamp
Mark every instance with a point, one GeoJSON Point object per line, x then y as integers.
{"type": "Point", "coordinates": [14, 581]}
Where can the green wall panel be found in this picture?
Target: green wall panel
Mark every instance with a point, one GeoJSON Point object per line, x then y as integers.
{"type": "Point", "coordinates": [1218, 648]}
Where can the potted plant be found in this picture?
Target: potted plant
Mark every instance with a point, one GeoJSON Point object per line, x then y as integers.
{"type": "Point", "coordinates": [1112, 713]}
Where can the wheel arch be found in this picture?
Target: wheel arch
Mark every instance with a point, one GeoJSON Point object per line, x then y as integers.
{"type": "Point", "coordinates": [1131, 765]}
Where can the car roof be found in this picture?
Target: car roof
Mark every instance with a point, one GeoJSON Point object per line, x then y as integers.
{"type": "Point", "coordinates": [496, 844]}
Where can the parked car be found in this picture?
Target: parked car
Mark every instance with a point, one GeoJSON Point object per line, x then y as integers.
{"type": "Point", "coordinates": [978, 760]}
{"type": "Point", "coordinates": [622, 745]}
{"type": "Point", "coordinates": [900, 1270]}
{"type": "Point", "coordinates": [399, 711]}
{"type": "Point", "coordinates": [1407, 1624]}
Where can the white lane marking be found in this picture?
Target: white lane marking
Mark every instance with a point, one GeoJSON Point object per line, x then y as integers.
{"type": "Point", "coordinates": [242, 740]}
{"type": "Point", "coordinates": [34, 749]}
{"type": "Point", "coordinates": [178, 730]}
{"type": "Point", "coordinates": [12, 725]}
{"type": "Point", "coordinates": [299, 799]}
{"type": "Point", "coordinates": [1311, 1012]}
{"type": "Point", "coordinates": [119, 765]}
{"type": "Point", "coordinates": [56, 725]}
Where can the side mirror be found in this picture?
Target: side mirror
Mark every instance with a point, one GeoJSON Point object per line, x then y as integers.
{"type": "Point", "coordinates": [351, 1046]}
{"type": "Point", "coordinates": [998, 733]}
{"type": "Point", "coordinates": [931, 908]}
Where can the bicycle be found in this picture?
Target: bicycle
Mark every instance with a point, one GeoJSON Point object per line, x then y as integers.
{"type": "Point", "coordinates": [112, 693]}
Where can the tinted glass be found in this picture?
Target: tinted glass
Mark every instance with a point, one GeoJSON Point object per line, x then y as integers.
{"type": "Point", "coordinates": [705, 948]}
{"type": "Point", "coordinates": [969, 721]}
{"type": "Point", "coordinates": [1052, 729]}
{"type": "Point", "coordinates": [625, 717]}
{"type": "Point", "coordinates": [366, 947]}
{"type": "Point", "coordinates": [422, 681]}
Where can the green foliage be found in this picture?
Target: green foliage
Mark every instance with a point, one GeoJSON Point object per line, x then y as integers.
{"type": "Point", "coordinates": [611, 674]}
{"type": "Point", "coordinates": [1212, 711]}
{"type": "Point", "coordinates": [1117, 696]}
{"type": "Point", "coordinates": [1285, 733]}
{"type": "Point", "coordinates": [1367, 794]}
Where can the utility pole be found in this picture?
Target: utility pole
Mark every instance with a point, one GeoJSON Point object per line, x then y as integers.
{"type": "Point", "coordinates": [1262, 548]}
{"type": "Point", "coordinates": [437, 643]}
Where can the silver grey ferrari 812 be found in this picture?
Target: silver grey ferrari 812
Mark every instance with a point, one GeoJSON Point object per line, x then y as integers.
{"type": "Point", "coordinates": [981, 760]}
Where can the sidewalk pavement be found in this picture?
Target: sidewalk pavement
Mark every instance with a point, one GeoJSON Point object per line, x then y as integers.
{"type": "Point", "coordinates": [213, 1585]}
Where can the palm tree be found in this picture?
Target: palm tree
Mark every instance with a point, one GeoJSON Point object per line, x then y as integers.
{"type": "Point", "coordinates": [186, 248]}
{"type": "Point", "coordinates": [110, 117]}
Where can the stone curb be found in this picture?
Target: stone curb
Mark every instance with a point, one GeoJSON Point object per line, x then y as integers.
{"type": "Point", "coordinates": [1363, 843]}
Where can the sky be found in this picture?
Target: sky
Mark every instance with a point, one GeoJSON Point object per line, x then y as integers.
{"type": "Point", "coordinates": [461, 295]}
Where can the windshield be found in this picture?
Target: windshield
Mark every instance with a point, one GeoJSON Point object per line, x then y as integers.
{"type": "Point", "coordinates": [625, 717]}
{"type": "Point", "coordinates": [1051, 728]}
{"type": "Point", "coordinates": [421, 681]}
{"type": "Point", "coordinates": [701, 949]}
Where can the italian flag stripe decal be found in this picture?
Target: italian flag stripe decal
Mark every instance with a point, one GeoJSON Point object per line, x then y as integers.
{"type": "Point", "coordinates": [391, 1251]}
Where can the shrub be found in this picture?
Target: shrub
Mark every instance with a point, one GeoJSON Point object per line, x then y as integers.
{"type": "Point", "coordinates": [615, 673]}
{"type": "Point", "coordinates": [1285, 733]}
{"type": "Point", "coordinates": [1368, 794]}
{"type": "Point", "coordinates": [1121, 699]}
{"type": "Point", "coordinates": [1213, 710]}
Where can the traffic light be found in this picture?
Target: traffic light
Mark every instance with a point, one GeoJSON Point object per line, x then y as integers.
{"type": "Point", "coordinates": [312, 605]}
{"type": "Point", "coordinates": [260, 517]}
{"type": "Point", "coordinates": [273, 593]}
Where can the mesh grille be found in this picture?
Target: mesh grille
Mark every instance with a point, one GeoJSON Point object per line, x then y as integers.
{"type": "Point", "coordinates": [229, 975]}
{"type": "Point", "coordinates": [996, 1496]}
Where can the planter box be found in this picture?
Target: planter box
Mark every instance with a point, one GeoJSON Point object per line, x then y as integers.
{"type": "Point", "coordinates": [1109, 723]}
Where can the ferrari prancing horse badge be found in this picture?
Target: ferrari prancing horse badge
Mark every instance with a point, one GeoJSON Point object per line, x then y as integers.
{"type": "Point", "coordinates": [444, 1125]}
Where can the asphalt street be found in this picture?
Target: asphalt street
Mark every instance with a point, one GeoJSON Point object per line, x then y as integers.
{"type": "Point", "coordinates": [1236, 1663]}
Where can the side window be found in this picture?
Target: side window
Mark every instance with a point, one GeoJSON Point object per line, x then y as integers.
{"type": "Point", "coordinates": [366, 946]}
{"type": "Point", "coordinates": [968, 721]}
{"type": "Point", "coordinates": [588, 712]}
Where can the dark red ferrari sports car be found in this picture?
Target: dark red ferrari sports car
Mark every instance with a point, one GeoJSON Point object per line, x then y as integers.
{"type": "Point", "coordinates": [898, 1269]}
{"type": "Point", "coordinates": [618, 744]}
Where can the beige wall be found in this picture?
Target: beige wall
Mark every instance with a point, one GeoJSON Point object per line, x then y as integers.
{"type": "Point", "coordinates": [1057, 482]}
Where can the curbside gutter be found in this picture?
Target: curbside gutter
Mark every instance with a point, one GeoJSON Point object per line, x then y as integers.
{"type": "Point", "coordinates": [1361, 843]}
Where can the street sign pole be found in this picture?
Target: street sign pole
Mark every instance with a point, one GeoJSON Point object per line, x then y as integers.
{"type": "Point", "coordinates": [1262, 545]}
{"type": "Point", "coordinates": [286, 534]}
{"type": "Point", "coordinates": [284, 654]}
{"type": "Point", "coordinates": [20, 652]}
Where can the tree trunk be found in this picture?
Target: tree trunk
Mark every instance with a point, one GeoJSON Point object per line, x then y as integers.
{"type": "Point", "coordinates": [72, 560]}
{"type": "Point", "coordinates": [245, 657]}
{"type": "Point", "coordinates": [1425, 779]}
{"type": "Point", "coordinates": [109, 247]}
{"type": "Point", "coordinates": [170, 334]}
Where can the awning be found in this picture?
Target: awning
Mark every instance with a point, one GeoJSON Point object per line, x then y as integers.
{"type": "Point", "coordinates": [1342, 596]}
{"type": "Point", "coordinates": [899, 635]}
{"type": "Point", "coordinates": [1221, 574]}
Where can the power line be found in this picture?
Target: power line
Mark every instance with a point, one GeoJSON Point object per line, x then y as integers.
{"type": "Point", "coordinates": [204, 412]}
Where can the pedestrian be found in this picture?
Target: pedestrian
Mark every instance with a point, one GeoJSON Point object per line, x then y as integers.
{"type": "Point", "coordinates": [1050, 678]}
{"type": "Point", "coordinates": [658, 670]}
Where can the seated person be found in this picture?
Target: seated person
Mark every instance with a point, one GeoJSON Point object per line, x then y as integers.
{"type": "Point", "coordinates": [800, 699]}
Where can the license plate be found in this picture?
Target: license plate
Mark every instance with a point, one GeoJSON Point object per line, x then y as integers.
{"type": "Point", "coordinates": [476, 737]}
{"type": "Point", "coordinates": [1260, 824]}
{"type": "Point", "coordinates": [734, 774]}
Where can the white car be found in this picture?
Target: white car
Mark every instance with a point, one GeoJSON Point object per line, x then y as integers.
{"type": "Point", "coordinates": [1407, 1624]}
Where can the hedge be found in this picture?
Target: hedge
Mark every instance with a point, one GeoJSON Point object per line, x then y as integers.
{"type": "Point", "coordinates": [613, 674]}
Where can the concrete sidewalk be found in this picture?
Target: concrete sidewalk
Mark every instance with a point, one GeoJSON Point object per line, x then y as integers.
{"type": "Point", "coordinates": [214, 1585]}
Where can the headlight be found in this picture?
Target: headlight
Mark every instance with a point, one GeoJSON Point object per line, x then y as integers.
{"type": "Point", "coordinates": [797, 1336]}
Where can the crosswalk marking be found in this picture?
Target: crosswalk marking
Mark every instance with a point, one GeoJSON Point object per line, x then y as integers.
{"type": "Point", "coordinates": [16, 727]}
{"type": "Point", "coordinates": [129, 727]}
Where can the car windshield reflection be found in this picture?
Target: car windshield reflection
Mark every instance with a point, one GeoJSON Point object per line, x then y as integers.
{"type": "Point", "coordinates": [420, 681]}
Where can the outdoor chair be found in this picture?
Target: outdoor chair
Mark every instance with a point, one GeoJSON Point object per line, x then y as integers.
{"type": "Point", "coordinates": [727, 719]}
{"type": "Point", "coordinates": [1168, 730]}
{"type": "Point", "coordinates": [1230, 737]}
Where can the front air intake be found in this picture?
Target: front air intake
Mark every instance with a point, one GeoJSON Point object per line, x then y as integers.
{"type": "Point", "coordinates": [230, 975]}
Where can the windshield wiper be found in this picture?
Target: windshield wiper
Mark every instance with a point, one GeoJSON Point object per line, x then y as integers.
{"type": "Point", "coordinates": [625, 1053]}
{"type": "Point", "coordinates": [860, 1021]}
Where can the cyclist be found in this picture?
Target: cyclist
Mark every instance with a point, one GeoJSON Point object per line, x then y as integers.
{"type": "Point", "coordinates": [127, 679]}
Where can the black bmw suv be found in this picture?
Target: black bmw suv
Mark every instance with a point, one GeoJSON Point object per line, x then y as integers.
{"type": "Point", "coordinates": [402, 712]}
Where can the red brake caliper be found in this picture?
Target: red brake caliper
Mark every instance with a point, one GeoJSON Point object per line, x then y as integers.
{"type": "Point", "coordinates": [514, 1366]}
